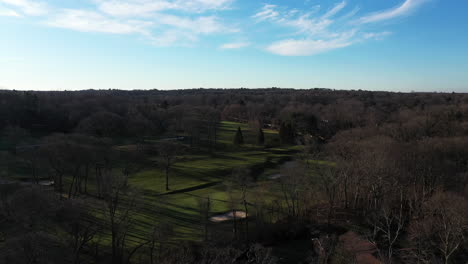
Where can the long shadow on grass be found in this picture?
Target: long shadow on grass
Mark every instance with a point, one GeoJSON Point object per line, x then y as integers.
{"type": "Point", "coordinates": [194, 188]}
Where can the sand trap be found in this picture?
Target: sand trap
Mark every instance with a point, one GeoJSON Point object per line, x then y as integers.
{"type": "Point", "coordinates": [46, 183]}
{"type": "Point", "coordinates": [228, 216]}
{"type": "Point", "coordinates": [26, 183]}
{"type": "Point", "coordinates": [274, 176]}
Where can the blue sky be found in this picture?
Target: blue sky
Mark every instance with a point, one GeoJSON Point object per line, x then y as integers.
{"type": "Point", "coordinates": [397, 45]}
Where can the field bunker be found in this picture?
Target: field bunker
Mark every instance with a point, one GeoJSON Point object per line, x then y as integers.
{"type": "Point", "coordinates": [228, 216]}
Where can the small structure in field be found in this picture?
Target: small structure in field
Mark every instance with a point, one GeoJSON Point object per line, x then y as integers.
{"type": "Point", "coordinates": [228, 216]}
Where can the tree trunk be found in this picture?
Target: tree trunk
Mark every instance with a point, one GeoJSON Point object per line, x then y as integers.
{"type": "Point", "coordinates": [86, 179]}
{"type": "Point", "coordinates": [246, 220]}
{"type": "Point", "coordinates": [71, 186]}
{"type": "Point", "coordinates": [167, 179]}
{"type": "Point", "coordinates": [234, 223]}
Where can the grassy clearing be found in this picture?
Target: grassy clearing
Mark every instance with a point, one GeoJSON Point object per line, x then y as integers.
{"type": "Point", "coordinates": [198, 176]}
{"type": "Point", "coordinates": [194, 172]}
{"type": "Point", "coordinates": [227, 130]}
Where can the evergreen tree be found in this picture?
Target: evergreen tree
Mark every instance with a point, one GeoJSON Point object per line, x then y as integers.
{"type": "Point", "coordinates": [286, 133]}
{"type": "Point", "coordinates": [283, 133]}
{"type": "Point", "coordinates": [165, 104]}
{"type": "Point", "coordinates": [238, 138]}
{"type": "Point", "coordinates": [260, 137]}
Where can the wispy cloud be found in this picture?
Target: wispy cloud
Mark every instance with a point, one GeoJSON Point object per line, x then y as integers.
{"type": "Point", "coordinates": [8, 12]}
{"type": "Point", "coordinates": [335, 10]}
{"type": "Point", "coordinates": [377, 35]}
{"type": "Point", "coordinates": [184, 22]}
{"type": "Point", "coordinates": [149, 7]}
{"type": "Point", "coordinates": [267, 12]}
{"type": "Point", "coordinates": [307, 47]}
{"type": "Point", "coordinates": [172, 37]}
{"type": "Point", "coordinates": [28, 7]}
{"type": "Point", "coordinates": [90, 21]}
{"type": "Point", "coordinates": [185, 30]}
{"type": "Point", "coordinates": [235, 45]}
{"type": "Point", "coordinates": [163, 22]}
{"type": "Point", "coordinates": [334, 29]}
{"type": "Point", "coordinates": [404, 9]}
{"type": "Point", "coordinates": [303, 22]}
{"type": "Point", "coordinates": [132, 8]}
{"type": "Point", "coordinates": [202, 25]}
{"type": "Point", "coordinates": [316, 32]}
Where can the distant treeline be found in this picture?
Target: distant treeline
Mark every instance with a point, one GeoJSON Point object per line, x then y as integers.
{"type": "Point", "coordinates": [318, 112]}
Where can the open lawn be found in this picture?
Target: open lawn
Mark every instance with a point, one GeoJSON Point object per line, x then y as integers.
{"type": "Point", "coordinates": [203, 175]}
{"type": "Point", "coordinates": [198, 175]}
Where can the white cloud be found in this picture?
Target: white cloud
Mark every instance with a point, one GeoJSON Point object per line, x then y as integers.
{"type": "Point", "coordinates": [350, 14]}
{"type": "Point", "coordinates": [317, 33]}
{"type": "Point", "coordinates": [201, 25]}
{"type": "Point", "coordinates": [305, 24]}
{"type": "Point", "coordinates": [302, 22]}
{"type": "Point", "coordinates": [183, 22]}
{"type": "Point", "coordinates": [293, 47]}
{"type": "Point", "coordinates": [402, 10]}
{"type": "Point", "coordinates": [183, 31]}
{"type": "Point", "coordinates": [335, 10]}
{"type": "Point", "coordinates": [203, 5]}
{"type": "Point", "coordinates": [9, 13]}
{"type": "Point", "coordinates": [307, 47]}
{"type": "Point", "coordinates": [90, 21]}
{"type": "Point", "coordinates": [267, 12]}
{"type": "Point", "coordinates": [174, 37]}
{"type": "Point", "coordinates": [377, 36]}
{"type": "Point", "coordinates": [162, 29]}
{"type": "Point", "coordinates": [235, 45]}
{"type": "Point", "coordinates": [321, 33]}
{"type": "Point", "coordinates": [149, 7]}
{"type": "Point", "coordinates": [163, 22]}
{"type": "Point", "coordinates": [28, 7]}
{"type": "Point", "coordinates": [132, 8]}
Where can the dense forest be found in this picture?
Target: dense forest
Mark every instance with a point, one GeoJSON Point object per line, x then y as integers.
{"type": "Point", "coordinates": [233, 176]}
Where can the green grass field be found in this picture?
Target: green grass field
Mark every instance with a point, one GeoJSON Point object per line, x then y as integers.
{"type": "Point", "coordinates": [198, 176]}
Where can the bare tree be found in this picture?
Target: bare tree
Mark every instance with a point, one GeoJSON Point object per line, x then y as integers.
{"type": "Point", "coordinates": [388, 224]}
{"type": "Point", "coordinates": [324, 247]}
{"type": "Point", "coordinates": [443, 228]}
{"type": "Point", "coordinates": [32, 157]}
{"type": "Point", "coordinates": [131, 160]}
{"type": "Point", "coordinates": [120, 204]}
{"type": "Point", "coordinates": [81, 226]}
{"type": "Point", "coordinates": [329, 181]}
{"type": "Point", "coordinates": [158, 239]}
{"type": "Point", "coordinates": [167, 156]}
{"type": "Point", "coordinates": [292, 184]}
{"type": "Point", "coordinates": [204, 205]}
{"type": "Point", "coordinates": [241, 180]}
{"type": "Point", "coordinates": [233, 201]}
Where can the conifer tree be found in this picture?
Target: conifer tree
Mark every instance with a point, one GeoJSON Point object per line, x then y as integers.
{"type": "Point", "coordinates": [238, 138]}
{"type": "Point", "coordinates": [286, 133]}
{"type": "Point", "coordinates": [260, 137]}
